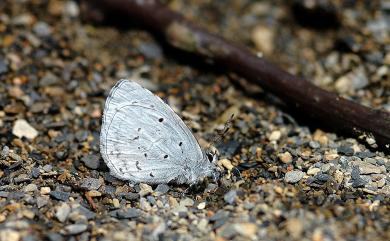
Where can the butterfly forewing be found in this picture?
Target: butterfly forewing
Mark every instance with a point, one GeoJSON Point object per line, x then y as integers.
{"type": "Point", "coordinates": [142, 138]}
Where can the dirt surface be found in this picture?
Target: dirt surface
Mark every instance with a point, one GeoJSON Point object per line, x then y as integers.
{"type": "Point", "coordinates": [296, 181]}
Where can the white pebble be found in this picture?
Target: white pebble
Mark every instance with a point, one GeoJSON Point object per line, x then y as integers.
{"type": "Point", "coordinates": [23, 128]}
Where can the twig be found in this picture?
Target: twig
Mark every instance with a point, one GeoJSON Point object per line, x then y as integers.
{"type": "Point", "coordinates": [90, 201]}
{"type": "Point", "coordinates": [341, 114]}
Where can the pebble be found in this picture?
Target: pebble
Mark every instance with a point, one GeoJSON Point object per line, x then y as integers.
{"type": "Point", "coordinates": [275, 135]}
{"type": "Point", "coordinates": [48, 79]}
{"type": "Point", "coordinates": [59, 195]}
{"type": "Point", "coordinates": [115, 203]}
{"type": "Point", "coordinates": [74, 229]}
{"type": "Point", "coordinates": [9, 235]}
{"type": "Point", "coordinates": [187, 202]}
{"type": "Point", "coordinates": [47, 168]}
{"type": "Point", "coordinates": [345, 150]}
{"type": "Point", "coordinates": [201, 205]}
{"type": "Point", "coordinates": [130, 196]}
{"type": "Point", "coordinates": [162, 188]}
{"type": "Point", "coordinates": [293, 176]}
{"type": "Point", "coordinates": [45, 190]}
{"type": "Point", "coordinates": [4, 152]}
{"type": "Point", "coordinates": [314, 144]}
{"type": "Point", "coordinates": [226, 164]}
{"type": "Point", "coordinates": [247, 230]}
{"type": "Point", "coordinates": [367, 168]}
{"type": "Point", "coordinates": [71, 9]}
{"type": "Point", "coordinates": [352, 81]}
{"type": "Point", "coordinates": [42, 29]}
{"type": "Point", "coordinates": [30, 188]}
{"type": "Point", "coordinates": [3, 66]}
{"type": "Point", "coordinates": [85, 212]}
{"type": "Point", "coordinates": [144, 204]}
{"type": "Point", "coordinates": [263, 37]}
{"type": "Point", "coordinates": [313, 171]}
{"type": "Point", "coordinates": [22, 128]}
{"type": "Point", "coordinates": [92, 161]}
{"type": "Point", "coordinates": [285, 157]}
{"type": "Point", "coordinates": [230, 197]}
{"type": "Point", "coordinates": [94, 193]}
{"type": "Point", "coordinates": [151, 50]}
{"type": "Point", "coordinates": [145, 189]}
{"type": "Point", "coordinates": [127, 213]}
{"type": "Point", "coordinates": [294, 227]}
{"type": "Point", "coordinates": [42, 201]}
{"type": "Point", "coordinates": [63, 212]}
{"type": "Point", "coordinates": [90, 183]}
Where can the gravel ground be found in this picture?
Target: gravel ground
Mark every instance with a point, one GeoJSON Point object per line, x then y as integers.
{"type": "Point", "coordinates": [296, 181]}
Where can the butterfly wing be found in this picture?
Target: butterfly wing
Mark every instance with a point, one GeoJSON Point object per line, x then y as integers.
{"type": "Point", "coordinates": [143, 139]}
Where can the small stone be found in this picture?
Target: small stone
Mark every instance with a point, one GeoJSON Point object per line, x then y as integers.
{"type": "Point", "coordinates": [92, 161]}
{"type": "Point", "coordinates": [47, 168]}
{"type": "Point", "coordinates": [226, 164]}
{"type": "Point", "coordinates": [115, 203]}
{"type": "Point", "coordinates": [30, 188]}
{"type": "Point", "coordinates": [247, 230]}
{"type": "Point", "coordinates": [313, 171]}
{"type": "Point", "coordinates": [144, 204]}
{"type": "Point", "coordinates": [22, 128]}
{"type": "Point", "coordinates": [321, 178]}
{"type": "Point", "coordinates": [35, 173]}
{"type": "Point", "coordinates": [45, 190]}
{"type": "Point", "coordinates": [367, 168]}
{"type": "Point", "coordinates": [90, 183]}
{"type": "Point", "coordinates": [187, 202]}
{"type": "Point", "coordinates": [85, 212]}
{"type": "Point", "coordinates": [151, 50]}
{"type": "Point", "coordinates": [71, 9]}
{"type": "Point", "coordinates": [63, 212]}
{"type": "Point", "coordinates": [293, 176]}
{"type": "Point", "coordinates": [127, 213]}
{"type": "Point", "coordinates": [230, 197]}
{"type": "Point", "coordinates": [162, 188]}
{"type": "Point", "coordinates": [28, 214]}
{"type": "Point", "coordinates": [94, 193]}
{"type": "Point", "coordinates": [314, 144]}
{"type": "Point", "coordinates": [4, 152]}
{"type": "Point", "coordinates": [9, 235]}
{"type": "Point", "coordinates": [130, 196]}
{"type": "Point", "coordinates": [345, 150]}
{"type": "Point", "coordinates": [201, 205]}
{"type": "Point", "coordinates": [59, 195]}
{"type": "Point", "coordinates": [42, 201]}
{"type": "Point", "coordinates": [294, 227]}
{"type": "Point", "coordinates": [3, 66]}
{"type": "Point", "coordinates": [74, 229]}
{"type": "Point", "coordinates": [381, 183]}
{"type": "Point", "coordinates": [352, 81]}
{"type": "Point", "coordinates": [263, 37]}
{"type": "Point", "coordinates": [42, 29]}
{"type": "Point", "coordinates": [145, 189]}
{"type": "Point", "coordinates": [275, 135]}
{"type": "Point", "coordinates": [285, 157]}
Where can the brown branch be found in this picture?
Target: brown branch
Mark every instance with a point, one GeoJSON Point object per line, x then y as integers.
{"type": "Point", "coordinates": [343, 115]}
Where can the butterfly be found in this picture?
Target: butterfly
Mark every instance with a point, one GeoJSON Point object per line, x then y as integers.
{"type": "Point", "coordinates": [143, 140]}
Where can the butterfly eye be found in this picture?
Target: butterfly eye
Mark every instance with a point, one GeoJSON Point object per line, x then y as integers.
{"type": "Point", "coordinates": [210, 157]}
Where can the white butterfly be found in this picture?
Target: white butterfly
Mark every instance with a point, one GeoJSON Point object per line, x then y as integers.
{"type": "Point", "coordinates": [143, 140]}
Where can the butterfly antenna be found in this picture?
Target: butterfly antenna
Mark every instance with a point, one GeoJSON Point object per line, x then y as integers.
{"type": "Point", "coordinates": [221, 133]}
